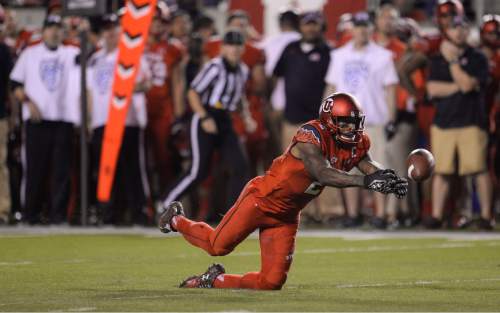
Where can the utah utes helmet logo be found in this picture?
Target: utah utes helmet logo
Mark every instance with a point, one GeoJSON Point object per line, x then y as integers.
{"type": "Point", "coordinates": [326, 106]}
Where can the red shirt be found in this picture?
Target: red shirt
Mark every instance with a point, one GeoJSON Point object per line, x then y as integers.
{"type": "Point", "coordinates": [494, 79]}
{"type": "Point", "coordinates": [287, 186]}
{"type": "Point", "coordinates": [396, 46]}
{"type": "Point", "coordinates": [161, 57]}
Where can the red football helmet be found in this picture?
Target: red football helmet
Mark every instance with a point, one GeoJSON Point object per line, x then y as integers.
{"type": "Point", "coordinates": [490, 30]}
{"type": "Point", "coordinates": [340, 113]}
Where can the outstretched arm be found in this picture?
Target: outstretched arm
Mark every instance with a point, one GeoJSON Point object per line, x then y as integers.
{"type": "Point", "coordinates": [319, 168]}
{"type": "Point", "coordinates": [383, 181]}
{"type": "Point", "coordinates": [368, 166]}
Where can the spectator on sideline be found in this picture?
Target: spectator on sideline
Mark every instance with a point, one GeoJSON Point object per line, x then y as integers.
{"type": "Point", "coordinates": [367, 71]}
{"type": "Point", "coordinates": [40, 82]}
{"type": "Point", "coordinates": [273, 48]}
{"type": "Point", "coordinates": [456, 84]}
{"type": "Point", "coordinates": [403, 138]}
{"type": "Point", "coordinates": [303, 66]}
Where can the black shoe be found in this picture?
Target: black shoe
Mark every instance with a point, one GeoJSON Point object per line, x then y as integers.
{"type": "Point", "coordinates": [165, 219]}
{"type": "Point", "coordinates": [464, 222]}
{"type": "Point", "coordinates": [205, 280]}
{"type": "Point", "coordinates": [484, 224]}
{"type": "Point", "coordinates": [378, 223]}
{"type": "Point", "coordinates": [433, 223]}
{"type": "Point", "coordinates": [351, 222]}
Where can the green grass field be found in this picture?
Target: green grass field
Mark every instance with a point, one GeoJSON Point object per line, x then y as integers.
{"type": "Point", "coordinates": [141, 273]}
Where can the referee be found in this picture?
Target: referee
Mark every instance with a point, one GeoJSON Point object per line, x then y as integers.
{"type": "Point", "coordinates": [215, 92]}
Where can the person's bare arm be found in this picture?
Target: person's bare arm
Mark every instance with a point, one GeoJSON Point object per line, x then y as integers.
{"type": "Point", "coordinates": [390, 99]}
{"type": "Point", "coordinates": [21, 96]}
{"type": "Point", "coordinates": [319, 168]}
{"type": "Point", "coordinates": [178, 86]}
{"type": "Point", "coordinates": [410, 63]}
{"type": "Point", "coordinates": [465, 82]}
{"type": "Point", "coordinates": [383, 181]}
{"type": "Point", "coordinates": [207, 122]}
{"type": "Point", "coordinates": [368, 166]}
{"type": "Point", "coordinates": [258, 77]}
{"type": "Point", "coordinates": [439, 89]}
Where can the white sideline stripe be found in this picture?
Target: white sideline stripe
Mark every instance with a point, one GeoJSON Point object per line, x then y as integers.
{"type": "Point", "coordinates": [16, 263]}
{"type": "Point", "coordinates": [194, 166]}
{"type": "Point", "coordinates": [84, 309]}
{"type": "Point", "coordinates": [140, 297]}
{"type": "Point", "coordinates": [418, 283]}
{"type": "Point", "coordinates": [70, 261]}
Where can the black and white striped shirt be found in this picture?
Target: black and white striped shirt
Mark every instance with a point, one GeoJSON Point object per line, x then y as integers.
{"type": "Point", "coordinates": [220, 85]}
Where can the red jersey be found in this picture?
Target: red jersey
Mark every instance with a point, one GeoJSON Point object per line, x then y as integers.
{"type": "Point", "coordinates": [494, 79]}
{"type": "Point", "coordinates": [396, 46]}
{"type": "Point", "coordinates": [287, 186]}
{"type": "Point", "coordinates": [161, 57]}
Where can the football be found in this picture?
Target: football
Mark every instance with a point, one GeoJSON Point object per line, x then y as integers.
{"type": "Point", "coordinates": [420, 164]}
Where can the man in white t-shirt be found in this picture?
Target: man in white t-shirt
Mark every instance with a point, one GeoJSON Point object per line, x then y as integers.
{"type": "Point", "coordinates": [130, 186]}
{"type": "Point", "coordinates": [40, 80]}
{"type": "Point", "coordinates": [367, 71]}
{"type": "Point", "coordinates": [273, 47]}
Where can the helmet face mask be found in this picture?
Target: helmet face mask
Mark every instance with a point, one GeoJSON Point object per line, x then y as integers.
{"type": "Point", "coordinates": [348, 129]}
{"type": "Point", "coordinates": [341, 115]}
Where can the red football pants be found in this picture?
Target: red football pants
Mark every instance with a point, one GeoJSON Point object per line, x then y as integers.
{"type": "Point", "coordinates": [158, 134]}
{"type": "Point", "coordinates": [277, 242]}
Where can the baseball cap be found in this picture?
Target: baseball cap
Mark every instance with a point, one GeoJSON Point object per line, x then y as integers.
{"type": "Point", "coordinates": [108, 20]}
{"type": "Point", "coordinates": [361, 19]}
{"type": "Point", "coordinates": [234, 37]}
{"type": "Point", "coordinates": [52, 20]}
{"type": "Point", "coordinates": [312, 17]}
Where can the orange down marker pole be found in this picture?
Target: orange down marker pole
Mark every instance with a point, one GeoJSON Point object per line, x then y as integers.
{"type": "Point", "coordinates": [135, 29]}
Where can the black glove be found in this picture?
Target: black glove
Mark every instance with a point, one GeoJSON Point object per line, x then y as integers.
{"type": "Point", "coordinates": [381, 181]}
{"type": "Point", "coordinates": [400, 188]}
{"type": "Point", "coordinates": [399, 185]}
{"type": "Point", "coordinates": [386, 182]}
{"type": "Point", "coordinates": [390, 130]}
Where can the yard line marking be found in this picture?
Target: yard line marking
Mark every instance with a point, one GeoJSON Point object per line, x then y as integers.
{"type": "Point", "coordinates": [16, 263]}
{"type": "Point", "coordinates": [69, 261]}
{"type": "Point", "coordinates": [417, 283]}
{"type": "Point", "coordinates": [138, 297]}
{"type": "Point", "coordinates": [84, 309]}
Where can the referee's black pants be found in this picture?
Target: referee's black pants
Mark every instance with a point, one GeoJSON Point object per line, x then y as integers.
{"type": "Point", "coordinates": [47, 162]}
{"type": "Point", "coordinates": [203, 146]}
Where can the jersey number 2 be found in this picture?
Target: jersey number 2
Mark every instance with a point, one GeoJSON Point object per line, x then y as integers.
{"type": "Point", "coordinates": [313, 189]}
